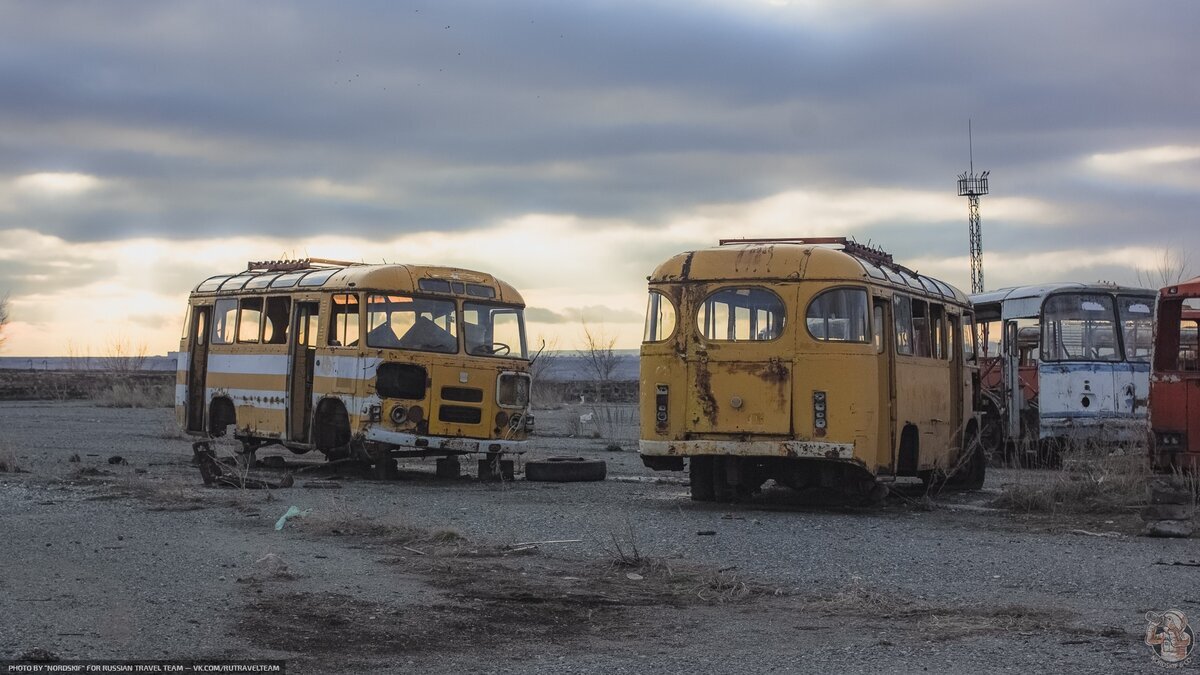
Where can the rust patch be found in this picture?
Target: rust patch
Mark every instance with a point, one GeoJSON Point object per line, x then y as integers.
{"type": "Point", "coordinates": [687, 265]}
{"type": "Point", "coordinates": [704, 395]}
{"type": "Point", "coordinates": [772, 372]}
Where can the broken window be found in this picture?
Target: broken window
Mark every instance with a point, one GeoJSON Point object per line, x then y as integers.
{"type": "Point", "coordinates": [922, 329]}
{"type": "Point", "coordinates": [660, 318]}
{"type": "Point", "coordinates": [224, 319]}
{"type": "Point", "coordinates": [249, 320]}
{"type": "Point", "coordinates": [343, 320]}
{"type": "Point", "coordinates": [404, 322]}
{"type": "Point", "coordinates": [741, 314]}
{"type": "Point", "coordinates": [839, 315]}
{"type": "Point", "coordinates": [903, 319]}
{"type": "Point", "coordinates": [275, 326]}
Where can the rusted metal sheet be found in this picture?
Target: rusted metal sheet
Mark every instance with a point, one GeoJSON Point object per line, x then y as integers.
{"type": "Point", "coordinates": [743, 448]}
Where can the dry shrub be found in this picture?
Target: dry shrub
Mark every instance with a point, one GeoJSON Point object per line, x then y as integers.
{"type": "Point", "coordinates": [124, 395]}
{"type": "Point", "coordinates": [8, 462]}
{"type": "Point", "coordinates": [344, 523]}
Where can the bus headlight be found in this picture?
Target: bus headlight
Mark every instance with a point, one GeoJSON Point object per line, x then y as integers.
{"type": "Point", "coordinates": [501, 419]}
{"type": "Point", "coordinates": [416, 414]}
{"type": "Point", "coordinates": [399, 415]}
{"type": "Point", "coordinates": [512, 389]}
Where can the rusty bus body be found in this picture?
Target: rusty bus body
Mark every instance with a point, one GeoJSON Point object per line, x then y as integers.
{"type": "Point", "coordinates": [372, 361]}
{"type": "Point", "coordinates": [1175, 380]}
{"type": "Point", "coordinates": [812, 365]}
{"type": "Point", "coordinates": [1063, 363]}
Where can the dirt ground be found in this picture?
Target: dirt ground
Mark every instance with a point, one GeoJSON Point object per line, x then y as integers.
{"type": "Point", "coordinates": [134, 558]}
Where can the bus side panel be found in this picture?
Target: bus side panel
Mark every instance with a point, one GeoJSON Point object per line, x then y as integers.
{"type": "Point", "coordinates": [850, 382]}
{"type": "Point", "coordinates": [923, 402]}
{"type": "Point", "coordinates": [256, 384]}
{"type": "Point", "coordinates": [343, 374]}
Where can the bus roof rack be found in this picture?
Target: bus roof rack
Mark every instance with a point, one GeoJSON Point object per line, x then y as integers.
{"type": "Point", "coordinates": [292, 265]}
{"type": "Point", "coordinates": [864, 251]}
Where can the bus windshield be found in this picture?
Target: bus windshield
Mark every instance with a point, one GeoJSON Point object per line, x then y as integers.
{"type": "Point", "coordinates": [403, 322]}
{"type": "Point", "coordinates": [1137, 326]}
{"type": "Point", "coordinates": [494, 330]}
{"type": "Point", "coordinates": [1080, 327]}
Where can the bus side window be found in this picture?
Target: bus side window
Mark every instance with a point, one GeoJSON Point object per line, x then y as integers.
{"type": "Point", "coordinates": [878, 325]}
{"type": "Point", "coordinates": [968, 335]}
{"type": "Point", "coordinates": [276, 325]}
{"type": "Point", "coordinates": [250, 319]}
{"type": "Point", "coordinates": [922, 340]}
{"type": "Point", "coordinates": [902, 309]}
{"type": "Point", "coordinates": [938, 332]}
{"type": "Point", "coordinates": [224, 318]}
{"type": "Point", "coordinates": [343, 321]}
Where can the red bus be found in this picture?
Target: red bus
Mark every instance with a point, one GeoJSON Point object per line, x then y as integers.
{"type": "Point", "coordinates": [1175, 380]}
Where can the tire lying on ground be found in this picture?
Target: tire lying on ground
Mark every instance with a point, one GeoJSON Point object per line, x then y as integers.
{"type": "Point", "coordinates": [566, 469]}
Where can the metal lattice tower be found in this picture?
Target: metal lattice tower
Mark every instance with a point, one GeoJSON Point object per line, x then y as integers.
{"type": "Point", "coordinates": [973, 186]}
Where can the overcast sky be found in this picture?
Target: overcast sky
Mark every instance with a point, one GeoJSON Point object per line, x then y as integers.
{"type": "Point", "coordinates": [569, 147]}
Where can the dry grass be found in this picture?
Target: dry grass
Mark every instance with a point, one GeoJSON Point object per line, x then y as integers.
{"type": "Point", "coordinates": [340, 522]}
{"type": "Point", "coordinates": [8, 462]}
{"type": "Point", "coordinates": [1090, 481]}
{"type": "Point", "coordinates": [125, 395]}
{"type": "Point", "coordinates": [947, 620]}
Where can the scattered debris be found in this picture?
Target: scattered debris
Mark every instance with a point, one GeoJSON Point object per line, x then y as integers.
{"type": "Point", "coordinates": [417, 551]}
{"type": "Point", "coordinates": [38, 655]}
{"type": "Point", "coordinates": [74, 459]}
{"type": "Point", "coordinates": [634, 576]}
{"type": "Point", "coordinates": [117, 459]}
{"type": "Point", "coordinates": [272, 462]}
{"type": "Point", "coordinates": [1108, 535]}
{"type": "Point", "coordinates": [225, 473]}
{"type": "Point", "coordinates": [1170, 511]}
{"type": "Point", "coordinates": [292, 512]}
{"type": "Point", "coordinates": [548, 541]}
{"type": "Point", "coordinates": [322, 485]}
{"type": "Point", "coordinates": [1180, 563]}
{"type": "Point", "coordinates": [706, 533]}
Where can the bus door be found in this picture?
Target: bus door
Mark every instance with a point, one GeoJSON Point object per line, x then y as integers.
{"type": "Point", "coordinates": [957, 383]}
{"type": "Point", "coordinates": [1012, 379]}
{"type": "Point", "coordinates": [300, 371]}
{"type": "Point", "coordinates": [197, 366]}
{"type": "Point", "coordinates": [740, 375]}
{"type": "Point", "coordinates": [882, 317]}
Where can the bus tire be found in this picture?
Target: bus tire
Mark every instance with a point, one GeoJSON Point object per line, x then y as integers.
{"type": "Point", "coordinates": [566, 470]}
{"type": "Point", "coordinates": [700, 470]}
{"type": "Point", "coordinates": [973, 470]}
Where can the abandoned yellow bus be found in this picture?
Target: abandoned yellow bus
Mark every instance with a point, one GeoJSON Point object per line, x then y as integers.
{"type": "Point", "coordinates": [356, 360]}
{"type": "Point", "coordinates": [812, 362]}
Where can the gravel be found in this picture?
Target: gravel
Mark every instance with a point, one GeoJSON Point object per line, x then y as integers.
{"type": "Point", "coordinates": [147, 565]}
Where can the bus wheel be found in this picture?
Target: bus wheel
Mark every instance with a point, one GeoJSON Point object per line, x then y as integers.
{"type": "Point", "coordinates": [972, 468]}
{"type": "Point", "coordinates": [700, 470]}
{"type": "Point", "coordinates": [723, 491]}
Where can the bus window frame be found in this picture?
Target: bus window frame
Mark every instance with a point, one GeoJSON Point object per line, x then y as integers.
{"type": "Point", "coordinates": [458, 327]}
{"type": "Point", "coordinates": [675, 314]}
{"type": "Point", "coordinates": [1118, 337]}
{"type": "Point", "coordinates": [700, 306]}
{"type": "Point", "coordinates": [869, 332]}
{"type": "Point", "coordinates": [462, 320]}
{"type": "Point", "coordinates": [329, 323]}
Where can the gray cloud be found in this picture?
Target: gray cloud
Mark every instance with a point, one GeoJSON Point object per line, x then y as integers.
{"type": "Point", "coordinates": [206, 116]}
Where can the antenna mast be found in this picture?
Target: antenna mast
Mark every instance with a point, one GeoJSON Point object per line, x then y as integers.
{"type": "Point", "coordinates": [973, 186]}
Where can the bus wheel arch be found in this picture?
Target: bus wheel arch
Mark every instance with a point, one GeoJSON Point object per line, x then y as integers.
{"type": "Point", "coordinates": [221, 414]}
{"type": "Point", "coordinates": [331, 427]}
{"type": "Point", "coordinates": [908, 455]}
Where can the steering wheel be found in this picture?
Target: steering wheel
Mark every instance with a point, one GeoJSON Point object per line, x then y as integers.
{"type": "Point", "coordinates": [500, 348]}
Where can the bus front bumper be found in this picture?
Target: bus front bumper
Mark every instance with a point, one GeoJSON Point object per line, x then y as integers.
{"type": "Point", "coordinates": [438, 443]}
{"type": "Point", "coordinates": [798, 449]}
{"type": "Point", "coordinates": [1095, 429]}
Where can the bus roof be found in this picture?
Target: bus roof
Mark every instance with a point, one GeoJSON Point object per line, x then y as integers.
{"type": "Point", "coordinates": [1187, 289]}
{"type": "Point", "coordinates": [1026, 301]}
{"type": "Point", "coordinates": [425, 279]}
{"type": "Point", "coordinates": [1040, 291]}
{"type": "Point", "coordinates": [793, 261]}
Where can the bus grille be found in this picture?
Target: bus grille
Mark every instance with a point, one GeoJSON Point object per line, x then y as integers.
{"type": "Point", "coordinates": [460, 414]}
{"type": "Point", "coordinates": [464, 394]}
